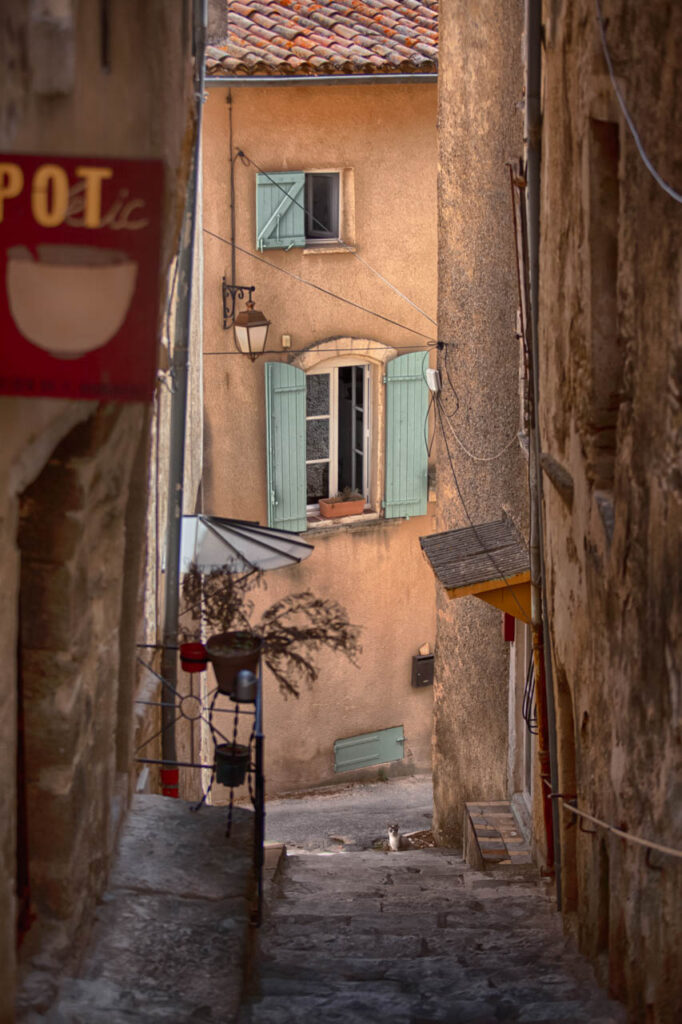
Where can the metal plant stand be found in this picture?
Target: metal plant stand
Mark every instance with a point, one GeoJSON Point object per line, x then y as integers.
{"type": "Point", "coordinates": [193, 708]}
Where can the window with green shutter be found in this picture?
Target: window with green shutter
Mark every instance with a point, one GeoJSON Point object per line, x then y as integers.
{"type": "Point", "coordinates": [280, 210]}
{"type": "Point", "coordinates": [285, 393]}
{"type": "Point", "coordinates": [296, 209]}
{"type": "Point", "coordinates": [319, 438]}
{"type": "Point", "coordinates": [407, 460]}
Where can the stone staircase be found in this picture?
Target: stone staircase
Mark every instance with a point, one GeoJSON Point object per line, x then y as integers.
{"type": "Point", "coordinates": [416, 937]}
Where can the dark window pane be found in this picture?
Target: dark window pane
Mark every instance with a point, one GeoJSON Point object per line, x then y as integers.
{"type": "Point", "coordinates": [322, 206]}
{"type": "Point", "coordinates": [345, 383]}
{"type": "Point", "coordinates": [358, 429]}
{"type": "Point", "coordinates": [317, 439]}
{"type": "Point", "coordinates": [345, 422]}
{"type": "Point", "coordinates": [359, 389]}
{"type": "Point", "coordinates": [317, 394]}
{"type": "Point", "coordinates": [357, 484]}
{"type": "Point", "coordinates": [317, 475]}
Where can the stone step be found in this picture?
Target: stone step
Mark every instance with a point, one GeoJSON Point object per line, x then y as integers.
{"type": "Point", "coordinates": [420, 939]}
{"type": "Point", "coordinates": [443, 974]}
{"type": "Point", "coordinates": [360, 1007]}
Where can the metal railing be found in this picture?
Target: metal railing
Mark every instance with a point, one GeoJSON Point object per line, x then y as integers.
{"type": "Point", "coordinates": [204, 710]}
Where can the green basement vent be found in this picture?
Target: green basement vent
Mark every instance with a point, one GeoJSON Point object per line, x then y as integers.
{"type": "Point", "coordinates": [369, 748]}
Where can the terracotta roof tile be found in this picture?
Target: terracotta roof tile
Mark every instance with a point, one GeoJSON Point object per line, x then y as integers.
{"type": "Point", "coordinates": [307, 37]}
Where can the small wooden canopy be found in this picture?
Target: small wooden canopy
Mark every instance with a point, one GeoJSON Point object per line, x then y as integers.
{"type": "Point", "coordinates": [489, 561]}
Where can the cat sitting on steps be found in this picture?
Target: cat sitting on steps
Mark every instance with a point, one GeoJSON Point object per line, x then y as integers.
{"type": "Point", "coordinates": [395, 840]}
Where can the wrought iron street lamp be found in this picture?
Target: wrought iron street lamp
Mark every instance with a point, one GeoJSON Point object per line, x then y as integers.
{"type": "Point", "coordinates": [250, 326]}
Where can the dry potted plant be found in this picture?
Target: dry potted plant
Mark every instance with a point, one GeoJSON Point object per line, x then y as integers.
{"type": "Point", "coordinates": [288, 635]}
{"type": "Point", "coordinates": [345, 503]}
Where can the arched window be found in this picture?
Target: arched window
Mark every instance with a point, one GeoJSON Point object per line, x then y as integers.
{"type": "Point", "coordinates": [351, 414]}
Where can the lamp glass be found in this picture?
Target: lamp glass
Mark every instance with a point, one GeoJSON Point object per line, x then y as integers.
{"type": "Point", "coordinates": [251, 331]}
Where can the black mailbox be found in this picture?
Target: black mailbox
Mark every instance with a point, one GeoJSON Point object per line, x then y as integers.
{"type": "Point", "coordinates": [422, 670]}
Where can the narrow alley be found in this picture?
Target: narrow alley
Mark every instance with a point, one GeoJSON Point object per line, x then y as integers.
{"type": "Point", "coordinates": [416, 936]}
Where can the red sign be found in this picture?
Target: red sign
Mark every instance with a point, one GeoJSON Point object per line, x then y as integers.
{"type": "Point", "coordinates": [79, 276]}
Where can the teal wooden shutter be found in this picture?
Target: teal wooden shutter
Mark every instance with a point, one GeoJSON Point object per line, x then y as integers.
{"type": "Point", "coordinates": [280, 210]}
{"type": "Point", "coordinates": [285, 439]}
{"type": "Point", "coordinates": [406, 454]}
{"type": "Point", "coordinates": [369, 748]}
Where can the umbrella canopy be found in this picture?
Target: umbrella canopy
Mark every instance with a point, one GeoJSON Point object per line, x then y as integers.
{"type": "Point", "coordinates": [216, 543]}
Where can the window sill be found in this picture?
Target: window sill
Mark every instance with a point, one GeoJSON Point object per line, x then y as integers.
{"type": "Point", "coordinates": [318, 522]}
{"type": "Point", "coordinates": [328, 248]}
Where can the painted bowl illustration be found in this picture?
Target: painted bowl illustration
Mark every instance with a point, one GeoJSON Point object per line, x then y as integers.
{"type": "Point", "coordinates": [71, 299]}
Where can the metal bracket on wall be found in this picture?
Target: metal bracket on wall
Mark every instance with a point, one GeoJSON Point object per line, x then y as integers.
{"type": "Point", "coordinates": [232, 292]}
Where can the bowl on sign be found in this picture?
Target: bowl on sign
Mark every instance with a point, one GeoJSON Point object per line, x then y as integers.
{"type": "Point", "coordinates": [69, 299]}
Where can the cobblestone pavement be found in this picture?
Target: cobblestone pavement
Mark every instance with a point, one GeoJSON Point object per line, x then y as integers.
{"type": "Point", "coordinates": [171, 933]}
{"type": "Point", "coordinates": [416, 937]}
{"type": "Point", "coordinates": [350, 816]}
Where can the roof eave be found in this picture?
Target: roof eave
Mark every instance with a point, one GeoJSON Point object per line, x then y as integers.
{"type": "Point", "coordinates": [396, 78]}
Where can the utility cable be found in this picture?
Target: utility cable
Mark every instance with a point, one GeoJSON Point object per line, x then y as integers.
{"type": "Point", "coordinates": [319, 288]}
{"type": "Point", "coordinates": [484, 549]}
{"type": "Point", "coordinates": [446, 355]}
{"type": "Point", "coordinates": [628, 117]}
{"type": "Point", "coordinates": [345, 245]}
{"type": "Point", "coordinates": [479, 458]}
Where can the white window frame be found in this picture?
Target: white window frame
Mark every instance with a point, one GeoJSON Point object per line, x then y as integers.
{"type": "Point", "coordinates": [333, 373]}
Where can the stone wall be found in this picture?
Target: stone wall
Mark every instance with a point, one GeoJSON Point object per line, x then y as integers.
{"type": "Point", "coordinates": [78, 80]}
{"type": "Point", "coordinates": [79, 526]}
{"type": "Point", "coordinates": [611, 400]}
{"type": "Point", "coordinates": [480, 129]}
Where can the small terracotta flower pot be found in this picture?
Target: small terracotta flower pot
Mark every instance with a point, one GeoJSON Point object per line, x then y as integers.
{"type": "Point", "coordinates": [230, 653]}
{"type": "Point", "coordinates": [232, 762]}
{"type": "Point", "coordinates": [193, 657]}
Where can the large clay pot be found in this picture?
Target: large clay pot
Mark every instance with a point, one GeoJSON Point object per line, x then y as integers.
{"type": "Point", "coordinates": [230, 653]}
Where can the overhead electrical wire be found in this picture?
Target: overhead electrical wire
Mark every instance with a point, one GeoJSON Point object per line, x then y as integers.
{"type": "Point", "coordinates": [345, 245]}
{"type": "Point", "coordinates": [628, 117]}
{"type": "Point", "coordinates": [473, 526]}
{"type": "Point", "coordinates": [319, 288]}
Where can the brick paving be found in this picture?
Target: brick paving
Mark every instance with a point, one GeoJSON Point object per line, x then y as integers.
{"type": "Point", "coordinates": [417, 937]}
{"type": "Point", "coordinates": [494, 837]}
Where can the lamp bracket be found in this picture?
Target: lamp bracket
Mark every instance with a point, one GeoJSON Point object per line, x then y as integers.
{"type": "Point", "coordinates": [231, 293]}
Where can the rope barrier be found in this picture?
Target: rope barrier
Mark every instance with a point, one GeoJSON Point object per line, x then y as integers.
{"type": "Point", "coordinates": [668, 850]}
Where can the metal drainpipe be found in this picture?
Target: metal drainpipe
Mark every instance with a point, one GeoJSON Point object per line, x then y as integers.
{"type": "Point", "coordinates": [176, 464]}
{"type": "Point", "coordinates": [533, 147]}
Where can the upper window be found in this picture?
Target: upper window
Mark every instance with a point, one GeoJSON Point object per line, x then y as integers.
{"type": "Point", "coordinates": [294, 208]}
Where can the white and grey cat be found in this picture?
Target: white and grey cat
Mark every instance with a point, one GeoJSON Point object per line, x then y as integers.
{"type": "Point", "coordinates": [395, 840]}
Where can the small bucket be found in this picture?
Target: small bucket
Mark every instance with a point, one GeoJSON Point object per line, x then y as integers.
{"type": "Point", "coordinates": [193, 657]}
{"type": "Point", "coordinates": [232, 762]}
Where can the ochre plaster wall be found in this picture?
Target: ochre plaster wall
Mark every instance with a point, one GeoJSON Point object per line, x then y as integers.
{"type": "Point", "coordinates": [614, 604]}
{"type": "Point", "coordinates": [385, 135]}
{"type": "Point", "coordinates": [480, 129]}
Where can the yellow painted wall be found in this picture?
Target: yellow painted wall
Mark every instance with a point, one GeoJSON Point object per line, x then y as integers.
{"type": "Point", "coordinates": [385, 137]}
